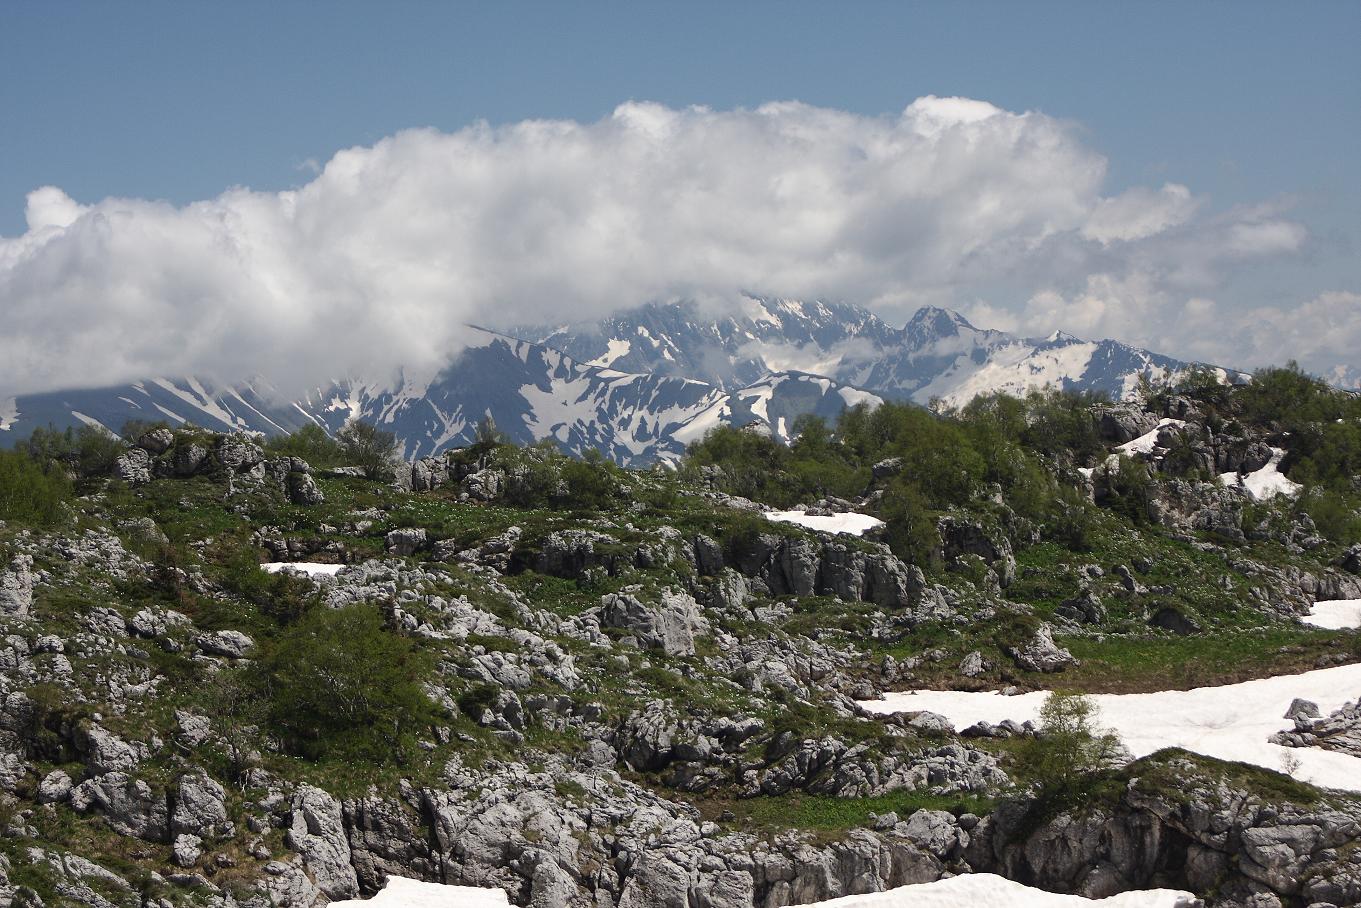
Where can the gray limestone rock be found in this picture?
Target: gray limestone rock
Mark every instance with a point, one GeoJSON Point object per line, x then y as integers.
{"type": "Point", "coordinates": [1041, 653]}
{"type": "Point", "coordinates": [316, 830]}
{"type": "Point", "coordinates": [16, 587]}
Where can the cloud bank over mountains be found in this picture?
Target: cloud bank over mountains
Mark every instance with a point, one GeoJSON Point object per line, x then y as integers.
{"type": "Point", "coordinates": [390, 250]}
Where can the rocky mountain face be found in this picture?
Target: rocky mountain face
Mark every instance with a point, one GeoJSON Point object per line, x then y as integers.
{"type": "Point", "coordinates": [639, 386]}
{"type": "Point", "coordinates": [531, 391]}
{"type": "Point", "coordinates": [936, 355]}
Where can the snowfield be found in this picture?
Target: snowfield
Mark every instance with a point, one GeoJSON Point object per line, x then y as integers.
{"type": "Point", "coordinates": [986, 890]}
{"type": "Point", "coordinates": [310, 568]}
{"type": "Point", "coordinates": [1231, 722]}
{"type": "Point", "coordinates": [400, 892]}
{"type": "Point", "coordinates": [1335, 614]}
{"type": "Point", "coordinates": [855, 524]}
{"type": "Point", "coordinates": [1145, 443]}
{"type": "Point", "coordinates": [1268, 482]}
{"type": "Point", "coordinates": [981, 890]}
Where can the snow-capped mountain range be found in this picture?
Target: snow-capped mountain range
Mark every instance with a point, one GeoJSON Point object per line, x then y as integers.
{"type": "Point", "coordinates": [638, 386]}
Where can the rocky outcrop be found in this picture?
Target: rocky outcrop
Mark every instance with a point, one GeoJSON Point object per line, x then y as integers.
{"type": "Point", "coordinates": [1181, 826]}
{"type": "Point", "coordinates": [671, 625]}
{"type": "Point", "coordinates": [802, 566]}
{"type": "Point", "coordinates": [1339, 731]}
{"type": "Point", "coordinates": [1041, 653]}
{"type": "Point", "coordinates": [16, 587]}
{"type": "Point", "coordinates": [316, 831]}
{"type": "Point", "coordinates": [960, 537]}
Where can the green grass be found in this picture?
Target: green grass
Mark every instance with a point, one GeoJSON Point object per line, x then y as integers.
{"type": "Point", "coordinates": [1123, 665]}
{"type": "Point", "coordinates": [1157, 771]}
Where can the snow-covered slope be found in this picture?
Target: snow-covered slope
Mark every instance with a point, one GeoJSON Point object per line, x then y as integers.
{"type": "Point", "coordinates": [937, 354]}
{"type": "Point", "coordinates": [533, 392]}
{"type": "Point", "coordinates": [1232, 722]}
{"type": "Point", "coordinates": [979, 890]}
{"type": "Point", "coordinates": [639, 386]}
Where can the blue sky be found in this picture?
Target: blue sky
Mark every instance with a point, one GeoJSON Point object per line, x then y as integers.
{"type": "Point", "coordinates": [1245, 104]}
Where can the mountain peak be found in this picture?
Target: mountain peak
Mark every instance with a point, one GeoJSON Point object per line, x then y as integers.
{"type": "Point", "coordinates": [932, 322]}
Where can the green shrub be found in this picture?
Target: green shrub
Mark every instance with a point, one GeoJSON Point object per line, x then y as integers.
{"type": "Point", "coordinates": [31, 494]}
{"type": "Point", "coordinates": [312, 444]}
{"type": "Point", "coordinates": [1069, 758]}
{"type": "Point", "coordinates": [283, 596]}
{"type": "Point", "coordinates": [85, 452]}
{"type": "Point", "coordinates": [340, 685]}
{"type": "Point", "coordinates": [911, 524]}
{"type": "Point", "coordinates": [365, 445]}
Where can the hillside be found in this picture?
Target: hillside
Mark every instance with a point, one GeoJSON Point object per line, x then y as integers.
{"type": "Point", "coordinates": [249, 672]}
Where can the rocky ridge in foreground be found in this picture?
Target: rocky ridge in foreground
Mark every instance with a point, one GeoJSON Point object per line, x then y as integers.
{"type": "Point", "coordinates": [590, 687]}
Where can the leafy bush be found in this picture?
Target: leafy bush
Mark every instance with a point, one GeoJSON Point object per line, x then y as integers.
{"type": "Point", "coordinates": [365, 445]}
{"type": "Point", "coordinates": [312, 444]}
{"type": "Point", "coordinates": [85, 452]}
{"type": "Point", "coordinates": [283, 596]}
{"type": "Point", "coordinates": [1070, 756]}
{"type": "Point", "coordinates": [30, 493]}
{"type": "Point", "coordinates": [340, 685]}
{"type": "Point", "coordinates": [592, 483]}
{"type": "Point", "coordinates": [911, 525]}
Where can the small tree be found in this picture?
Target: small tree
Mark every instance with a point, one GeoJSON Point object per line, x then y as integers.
{"type": "Point", "coordinates": [339, 684]}
{"type": "Point", "coordinates": [367, 446]}
{"type": "Point", "coordinates": [32, 492]}
{"type": "Point", "coordinates": [1070, 755]}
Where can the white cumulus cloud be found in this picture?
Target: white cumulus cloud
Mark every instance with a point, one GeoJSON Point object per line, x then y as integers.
{"type": "Point", "coordinates": [384, 256]}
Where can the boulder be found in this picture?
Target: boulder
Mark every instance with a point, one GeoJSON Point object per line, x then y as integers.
{"type": "Point", "coordinates": [229, 643]}
{"type": "Point", "coordinates": [1122, 423]}
{"type": "Point", "coordinates": [405, 541]}
{"type": "Point", "coordinates": [130, 805]}
{"type": "Point", "coordinates": [302, 489]}
{"type": "Point", "coordinates": [16, 587]}
{"type": "Point", "coordinates": [1041, 653]}
{"type": "Point", "coordinates": [133, 466]}
{"type": "Point", "coordinates": [200, 806]}
{"type": "Point", "coordinates": [316, 830]}
{"type": "Point", "coordinates": [484, 485]}
{"type": "Point", "coordinates": [187, 458]}
{"type": "Point", "coordinates": [670, 626]}
{"type": "Point", "coordinates": [238, 453]}
{"type": "Point", "coordinates": [157, 441]}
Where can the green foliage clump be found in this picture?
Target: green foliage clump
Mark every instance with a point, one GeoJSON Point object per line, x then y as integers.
{"type": "Point", "coordinates": [1069, 758]}
{"type": "Point", "coordinates": [339, 685]}
{"type": "Point", "coordinates": [284, 597]}
{"type": "Point", "coordinates": [369, 447]}
{"type": "Point", "coordinates": [31, 491]}
{"type": "Point", "coordinates": [312, 444]}
{"type": "Point", "coordinates": [85, 452]}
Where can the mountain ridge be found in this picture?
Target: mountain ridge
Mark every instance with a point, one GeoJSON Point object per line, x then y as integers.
{"type": "Point", "coordinates": [639, 385]}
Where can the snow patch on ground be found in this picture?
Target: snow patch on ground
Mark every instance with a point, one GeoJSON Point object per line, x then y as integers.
{"type": "Point", "coordinates": [854, 397]}
{"type": "Point", "coordinates": [310, 568]}
{"type": "Point", "coordinates": [1231, 722]}
{"type": "Point", "coordinates": [400, 892]}
{"type": "Point", "coordinates": [987, 890]}
{"type": "Point", "coordinates": [93, 423]}
{"type": "Point", "coordinates": [616, 349]}
{"type": "Point", "coordinates": [855, 524]}
{"type": "Point", "coordinates": [1268, 482]}
{"type": "Point", "coordinates": [1335, 614]}
{"type": "Point", "coordinates": [9, 412]}
{"type": "Point", "coordinates": [1145, 443]}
